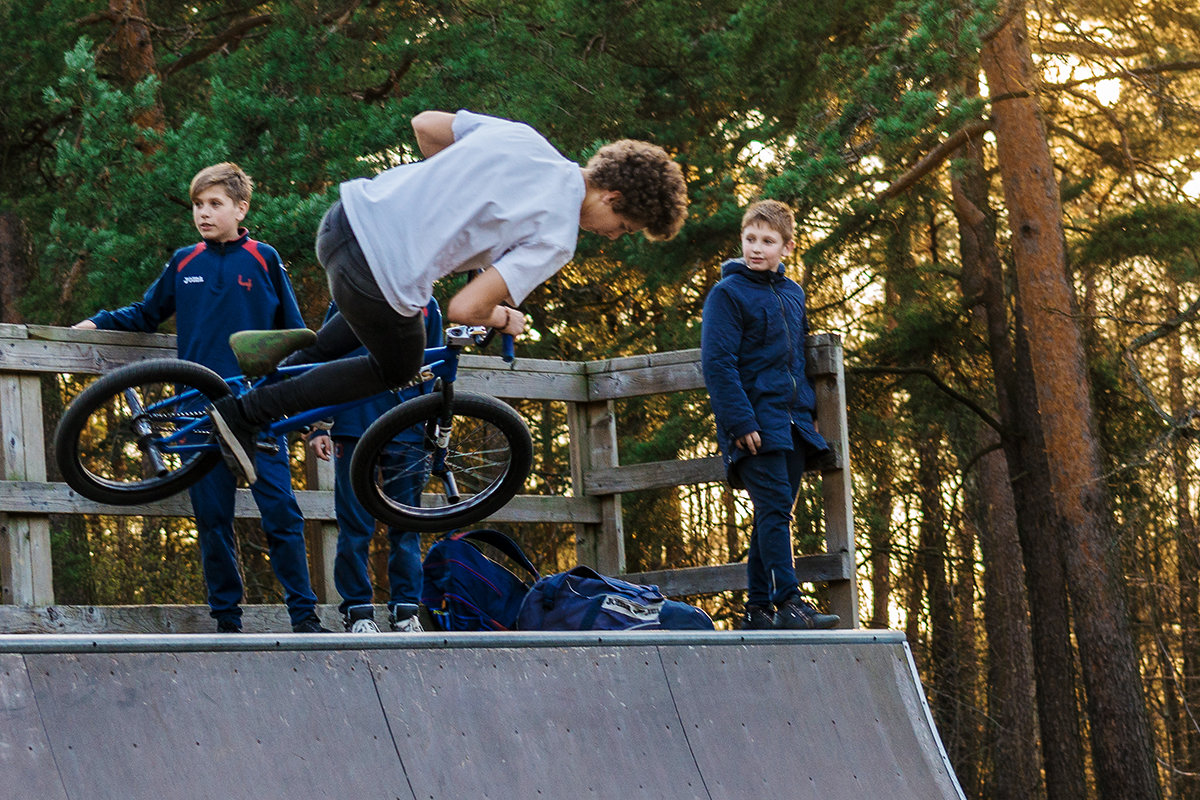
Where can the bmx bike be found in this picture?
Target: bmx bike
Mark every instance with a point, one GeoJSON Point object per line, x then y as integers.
{"type": "Point", "coordinates": [142, 433]}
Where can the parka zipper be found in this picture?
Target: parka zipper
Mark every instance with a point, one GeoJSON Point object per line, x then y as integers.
{"type": "Point", "coordinates": [788, 333]}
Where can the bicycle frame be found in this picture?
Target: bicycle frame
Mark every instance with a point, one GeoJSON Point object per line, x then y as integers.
{"type": "Point", "coordinates": [440, 364]}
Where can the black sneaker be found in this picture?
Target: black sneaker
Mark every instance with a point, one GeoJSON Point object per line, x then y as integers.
{"type": "Point", "coordinates": [403, 618]}
{"type": "Point", "coordinates": [796, 615]}
{"type": "Point", "coordinates": [236, 436]}
{"type": "Point", "coordinates": [228, 625]}
{"type": "Point", "coordinates": [310, 625]}
{"type": "Point", "coordinates": [360, 619]}
{"type": "Point", "coordinates": [758, 618]}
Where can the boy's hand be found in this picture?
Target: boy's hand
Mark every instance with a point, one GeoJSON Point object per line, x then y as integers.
{"type": "Point", "coordinates": [322, 446]}
{"type": "Point", "coordinates": [85, 325]}
{"type": "Point", "coordinates": [751, 442]}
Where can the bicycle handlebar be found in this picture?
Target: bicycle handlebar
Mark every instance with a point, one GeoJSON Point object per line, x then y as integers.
{"type": "Point", "coordinates": [481, 337]}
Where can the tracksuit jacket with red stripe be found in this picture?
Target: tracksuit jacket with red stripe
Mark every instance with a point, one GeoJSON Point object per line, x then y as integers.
{"type": "Point", "coordinates": [214, 289]}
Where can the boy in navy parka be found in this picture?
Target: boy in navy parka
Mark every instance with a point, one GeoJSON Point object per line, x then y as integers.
{"type": "Point", "coordinates": [226, 283]}
{"type": "Point", "coordinates": [752, 352]}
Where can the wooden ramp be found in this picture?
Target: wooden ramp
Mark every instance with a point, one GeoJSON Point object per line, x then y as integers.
{"type": "Point", "coordinates": [835, 715]}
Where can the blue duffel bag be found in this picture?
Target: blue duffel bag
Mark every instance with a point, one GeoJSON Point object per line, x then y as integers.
{"type": "Point", "coordinates": [582, 599]}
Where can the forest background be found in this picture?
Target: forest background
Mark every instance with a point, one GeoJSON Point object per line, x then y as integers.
{"type": "Point", "coordinates": [997, 210]}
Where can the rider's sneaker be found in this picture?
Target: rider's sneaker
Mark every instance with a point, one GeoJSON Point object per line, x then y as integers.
{"type": "Point", "coordinates": [258, 352]}
{"type": "Point", "coordinates": [758, 618]}
{"type": "Point", "coordinates": [794, 614]}
{"type": "Point", "coordinates": [310, 624]}
{"type": "Point", "coordinates": [360, 619]}
{"type": "Point", "coordinates": [403, 618]}
{"type": "Point", "coordinates": [229, 625]}
{"type": "Point", "coordinates": [236, 437]}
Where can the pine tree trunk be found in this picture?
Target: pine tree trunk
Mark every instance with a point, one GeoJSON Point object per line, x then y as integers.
{"type": "Point", "coordinates": [16, 266]}
{"type": "Point", "coordinates": [1013, 744]}
{"type": "Point", "coordinates": [944, 666]}
{"type": "Point", "coordinates": [1186, 745]}
{"type": "Point", "coordinates": [1122, 747]}
{"type": "Point", "coordinates": [135, 53]}
{"type": "Point", "coordinates": [1045, 577]}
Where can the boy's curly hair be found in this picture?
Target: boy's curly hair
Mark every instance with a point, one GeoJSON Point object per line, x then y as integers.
{"type": "Point", "coordinates": [237, 184]}
{"type": "Point", "coordinates": [652, 188]}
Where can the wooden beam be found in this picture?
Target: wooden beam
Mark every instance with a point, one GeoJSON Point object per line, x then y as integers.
{"type": "Point", "coordinates": [26, 576]}
{"type": "Point", "coordinates": [594, 446]}
{"type": "Point", "coordinates": [36, 497]}
{"type": "Point", "coordinates": [644, 375]}
{"type": "Point", "coordinates": [148, 619]}
{"type": "Point", "coordinates": [822, 568]}
{"type": "Point", "coordinates": [662, 474]}
{"type": "Point", "coordinates": [653, 475]}
{"type": "Point", "coordinates": [659, 373]}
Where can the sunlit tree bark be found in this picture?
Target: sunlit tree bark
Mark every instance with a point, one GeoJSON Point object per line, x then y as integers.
{"type": "Point", "coordinates": [1121, 741]}
{"type": "Point", "coordinates": [1016, 773]}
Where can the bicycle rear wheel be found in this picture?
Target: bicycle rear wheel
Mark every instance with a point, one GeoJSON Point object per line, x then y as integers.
{"type": "Point", "coordinates": [140, 433]}
{"type": "Point", "coordinates": [486, 460]}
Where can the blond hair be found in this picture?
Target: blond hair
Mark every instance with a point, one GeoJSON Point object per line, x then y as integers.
{"type": "Point", "coordinates": [229, 176]}
{"type": "Point", "coordinates": [775, 215]}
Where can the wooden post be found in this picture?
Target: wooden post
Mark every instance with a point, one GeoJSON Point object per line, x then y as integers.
{"type": "Point", "coordinates": [26, 577]}
{"type": "Point", "coordinates": [829, 379]}
{"type": "Point", "coordinates": [322, 534]}
{"type": "Point", "coordinates": [593, 431]}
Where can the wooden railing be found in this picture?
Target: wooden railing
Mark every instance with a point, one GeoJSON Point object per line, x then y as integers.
{"type": "Point", "coordinates": [590, 391]}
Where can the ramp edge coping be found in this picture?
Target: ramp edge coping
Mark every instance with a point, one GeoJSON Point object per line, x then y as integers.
{"type": "Point", "coordinates": [192, 642]}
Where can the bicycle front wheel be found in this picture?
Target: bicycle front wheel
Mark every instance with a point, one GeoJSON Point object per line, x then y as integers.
{"type": "Point", "coordinates": [403, 478]}
{"type": "Point", "coordinates": [140, 433]}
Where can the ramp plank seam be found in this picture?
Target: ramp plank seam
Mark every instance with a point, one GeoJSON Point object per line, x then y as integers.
{"type": "Point", "coordinates": [46, 732]}
{"type": "Point", "coordinates": [679, 716]}
{"type": "Point", "coordinates": [387, 721]}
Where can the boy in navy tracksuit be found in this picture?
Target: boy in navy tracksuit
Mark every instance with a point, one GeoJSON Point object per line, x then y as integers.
{"type": "Point", "coordinates": [229, 282]}
{"type": "Point", "coordinates": [752, 352]}
{"type": "Point", "coordinates": [356, 527]}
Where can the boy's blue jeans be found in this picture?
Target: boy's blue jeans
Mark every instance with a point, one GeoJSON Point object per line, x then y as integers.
{"type": "Point", "coordinates": [773, 481]}
{"type": "Point", "coordinates": [351, 574]}
{"type": "Point", "coordinates": [212, 502]}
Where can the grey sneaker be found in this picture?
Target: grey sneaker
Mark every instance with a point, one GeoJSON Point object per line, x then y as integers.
{"type": "Point", "coordinates": [236, 437]}
{"type": "Point", "coordinates": [403, 618]}
{"type": "Point", "coordinates": [360, 619]}
{"type": "Point", "coordinates": [758, 618]}
{"type": "Point", "coordinates": [259, 352]}
{"type": "Point", "coordinates": [794, 614]}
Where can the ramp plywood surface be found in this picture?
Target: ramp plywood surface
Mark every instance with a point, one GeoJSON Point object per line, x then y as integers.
{"type": "Point", "coordinates": [826, 715]}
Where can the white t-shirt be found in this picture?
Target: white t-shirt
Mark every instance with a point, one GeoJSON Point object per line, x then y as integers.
{"type": "Point", "coordinates": [500, 195]}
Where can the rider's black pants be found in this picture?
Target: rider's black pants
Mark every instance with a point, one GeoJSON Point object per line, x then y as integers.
{"type": "Point", "coordinates": [395, 343]}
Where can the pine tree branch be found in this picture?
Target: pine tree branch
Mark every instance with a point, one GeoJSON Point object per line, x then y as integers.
{"type": "Point", "coordinates": [229, 38]}
{"type": "Point", "coordinates": [1165, 329]}
{"type": "Point", "coordinates": [941, 385]}
{"type": "Point", "coordinates": [934, 158]}
{"type": "Point", "coordinates": [1157, 69]}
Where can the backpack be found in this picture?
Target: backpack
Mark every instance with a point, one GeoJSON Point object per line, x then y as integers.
{"type": "Point", "coordinates": [465, 590]}
{"type": "Point", "coordinates": [582, 599]}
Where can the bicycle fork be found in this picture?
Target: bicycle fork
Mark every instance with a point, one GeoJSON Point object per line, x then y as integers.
{"type": "Point", "coordinates": [438, 434]}
{"type": "Point", "coordinates": [144, 433]}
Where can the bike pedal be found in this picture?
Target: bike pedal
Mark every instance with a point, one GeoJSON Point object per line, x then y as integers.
{"type": "Point", "coordinates": [268, 447]}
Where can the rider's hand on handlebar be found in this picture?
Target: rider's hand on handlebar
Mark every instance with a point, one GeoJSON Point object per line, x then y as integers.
{"type": "Point", "coordinates": [511, 320]}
